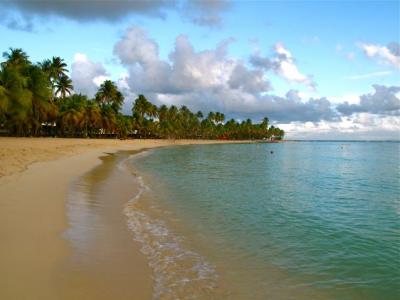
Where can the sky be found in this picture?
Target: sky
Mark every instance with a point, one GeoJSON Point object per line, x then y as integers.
{"type": "Point", "coordinates": [317, 69]}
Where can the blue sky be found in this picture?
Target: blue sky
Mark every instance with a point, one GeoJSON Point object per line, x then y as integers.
{"type": "Point", "coordinates": [332, 50]}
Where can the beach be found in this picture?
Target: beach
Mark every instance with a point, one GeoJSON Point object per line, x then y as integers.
{"type": "Point", "coordinates": [120, 219]}
{"type": "Point", "coordinates": [35, 252]}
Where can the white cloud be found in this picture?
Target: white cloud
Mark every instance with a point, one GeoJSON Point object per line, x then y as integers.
{"type": "Point", "coordinates": [98, 80]}
{"type": "Point", "coordinates": [283, 64]}
{"type": "Point", "coordinates": [211, 80]}
{"type": "Point", "coordinates": [287, 67]}
{"type": "Point", "coordinates": [388, 55]}
{"type": "Point", "coordinates": [87, 75]}
{"type": "Point", "coordinates": [185, 71]}
{"type": "Point", "coordinates": [361, 126]}
{"type": "Point", "coordinates": [252, 81]}
{"type": "Point", "coordinates": [384, 100]}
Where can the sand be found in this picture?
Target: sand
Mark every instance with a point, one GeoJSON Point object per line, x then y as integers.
{"type": "Point", "coordinates": [35, 176]}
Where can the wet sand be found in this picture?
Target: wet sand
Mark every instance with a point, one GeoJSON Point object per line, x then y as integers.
{"type": "Point", "coordinates": [38, 260]}
{"type": "Point", "coordinates": [104, 263]}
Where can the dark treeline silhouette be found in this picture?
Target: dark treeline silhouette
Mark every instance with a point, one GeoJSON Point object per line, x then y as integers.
{"type": "Point", "coordinates": [38, 100]}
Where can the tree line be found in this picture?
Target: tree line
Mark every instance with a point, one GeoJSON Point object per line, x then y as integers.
{"type": "Point", "coordinates": [38, 100]}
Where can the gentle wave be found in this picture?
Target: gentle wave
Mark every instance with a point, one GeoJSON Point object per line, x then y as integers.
{"type": "Point", "coordinates": [311, 221]}
{"type": "Point", "coordinates": [179, 273]}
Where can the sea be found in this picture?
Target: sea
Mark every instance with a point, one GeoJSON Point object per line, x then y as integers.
{"type": "Point", "coordinates": [290, 220]}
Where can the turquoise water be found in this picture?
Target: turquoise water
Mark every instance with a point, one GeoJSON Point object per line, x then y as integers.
{"type": "Point", "coordinates": [312, 220]}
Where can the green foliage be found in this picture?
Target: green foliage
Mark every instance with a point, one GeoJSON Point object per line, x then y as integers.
{"type": "Point", "coordinates": [63, 86]}
{"type": "Point", "coordinates": [56, 71]}
{"type": "Point", "coordinates": [171, 122]}
{"type": "Point", "coordinates": [108, 95]}
{"type": "Point", "coordinates": [38, 99]}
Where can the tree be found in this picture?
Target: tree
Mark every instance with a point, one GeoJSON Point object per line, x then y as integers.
{"type": "Point", "coordinates": [43, 109]}
{"type": "Point", "coordinates": [123, 126]}
{"type": "Point", "coordinates": [58, 67]}
{"type": "Point", "coordinates": [16, 57]}
{"type": "Point", "coordinates": [27, 107]}
{"type": "Point", "coordinates": [109, 95]}
{"type": "Point", "coordinates": [219, 117]}
{"type": "Point", "coordinates": [199, 115]}
{"type": "Point", "coordinates": [109, 119]}
{"type": "Point", "coordinates": [264, 123]}
{"type": "Point", "coordinates": [143, 108]}
{"type": "Point", "coordinates": [211, 116]}
{"type": "Point", "coordinates": [71, 118]}
{"type": "Point", "coordinates": [56, 70]}
{"type": "Point", "coordinates": [93, 118]}
{"type": "Point", "coordinates": [63, 86]}
{"type": "Point", "coordinates": [16, 98]}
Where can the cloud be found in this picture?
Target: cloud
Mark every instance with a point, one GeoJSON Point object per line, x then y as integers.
{"type": "Point", "coordinates": [283, 64]}
{"type": "Point", "coordinates": [205, 12]}
{"type": "Point", "coordinates": [16, 22]}
{"type": "Point", "coordinates": [251, 81]}
{"type": "Point", "coordinates": [388, 55]}
{"type": "Point", "coordinates": [212, 80]}
{"type": "Point", "coordinates": [368, 75]}
{"type": "Point", "coordinates": [209, 80]}
{"type": "Point", "coordinates": [86, 75]}
{"type": "Point", "coordinates": [18, 14]}
{"type": "Point", "coordinates": [136, 47]}
{"type": "Point", "coordinates": [90, 10]}
{"type": "Point", "coordinates": [394, 48]}
{"type": "Point", "coordinates": [292, 108]}
{"type": "Point", "coordinates": [384, 100]}
{"type": "Point", "coordinates": [360, 126]}
{"type": "Point", "coordinates": [185, 71]}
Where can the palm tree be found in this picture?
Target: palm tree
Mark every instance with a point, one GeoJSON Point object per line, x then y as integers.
{"type": "Point", "coordinates": [108, 119]}
{"type": "Point", "coordinates": [163, 113]}
{"type": "Point", "coordinates": [56, 70]}
{"type": "Point", "coordinates": [72, 119]}
{"type": "Point", "coordinates": [108, 95]}
{"type": "Point", "coordinates": [143, 107]}
{"type": "Point", "coordinates": [211, 116]}
{"type": "Point", "coordinates": [43, 110]}
{"type": "Point", "coordinates": [5, 100]}
{"type": "Point", "coordinates": [27, 92]}
{"type": "Point", "coordinates": [16, 57]}
{"type": "Point", "coordinates": [63, 86]}
{"type": "Point", "coordinates": [123, 126]}
{"type": "Point", "coordinates": [58, 67]}
{"type": "Point", "coordinates": [15, 98]}
{"type": "Point", "coordinates": [199, 115]}
{"type": "Point", "coordinates": [264, 123]}
{"type": "Point", "coordinates": [219, 117]}
{"type": "Point", "coordinates": [93, 118]}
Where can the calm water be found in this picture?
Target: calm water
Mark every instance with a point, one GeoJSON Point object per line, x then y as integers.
{"type": "Point", "coordinates": [312, 220]}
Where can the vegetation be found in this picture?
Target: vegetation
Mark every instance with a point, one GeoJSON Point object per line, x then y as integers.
{"type": "Point", "coordinates": [38, 100]}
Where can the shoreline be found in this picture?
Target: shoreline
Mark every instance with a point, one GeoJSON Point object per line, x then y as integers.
{"type": "Point", "coordinates": [33, 218]}
{"type": "Point", "coordinates": [106, 262]}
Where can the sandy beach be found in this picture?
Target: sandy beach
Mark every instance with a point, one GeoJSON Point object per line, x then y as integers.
{"type": "Point", "coordinates": [35, 176]}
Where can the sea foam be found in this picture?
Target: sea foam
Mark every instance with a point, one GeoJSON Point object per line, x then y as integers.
{"type": "Point", "coordinates": [178, 273]}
